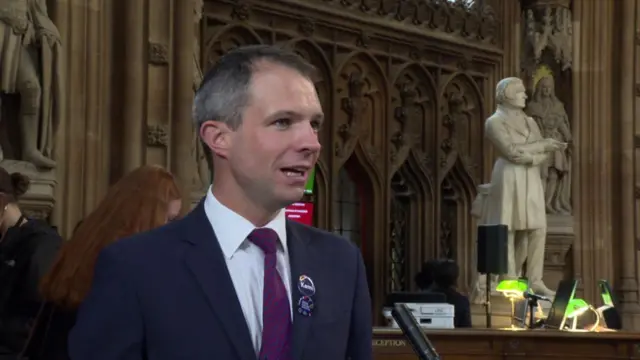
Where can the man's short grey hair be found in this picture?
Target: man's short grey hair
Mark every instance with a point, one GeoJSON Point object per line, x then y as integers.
{"type": "Point", "coordinates": [503, 85]}
{"type": "Point", "coordinates": [224, 91]}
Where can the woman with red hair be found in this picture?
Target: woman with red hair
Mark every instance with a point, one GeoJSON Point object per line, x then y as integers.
{"type": "Point", "coordinates": [144, 199]}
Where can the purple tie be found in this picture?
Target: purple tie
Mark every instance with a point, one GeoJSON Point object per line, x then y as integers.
{"type": "Point", "coordinates": [276, 312]}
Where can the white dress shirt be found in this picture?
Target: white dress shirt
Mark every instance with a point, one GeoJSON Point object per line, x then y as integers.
{"type": "Point", "coordinates": [245, 260]}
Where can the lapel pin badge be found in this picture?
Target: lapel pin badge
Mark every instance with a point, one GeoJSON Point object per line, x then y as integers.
{"type": "Point", "coordinates": [305, 306]}
{"type": "Point", "coordinates": [306, 286]}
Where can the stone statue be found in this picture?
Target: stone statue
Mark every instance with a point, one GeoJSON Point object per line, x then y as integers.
{"type": "Point", "coordinates": [202, 178]}
{"type": "Point", "coordinates": [31, 66]}
{"type": "Point", "coordinates": [553, 121]}
{"type": "Point", "coordinates": [515, 196]}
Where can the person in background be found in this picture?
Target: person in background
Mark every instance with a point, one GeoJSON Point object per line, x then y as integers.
{"type": "Point", "coordinates": [444, 281]}
{"type": "Point", "coordinates": [145, 199]}
{"type": "Point", "coordinates": [424, 279]}
{"type": "Point", "coordinates": [27, 249]}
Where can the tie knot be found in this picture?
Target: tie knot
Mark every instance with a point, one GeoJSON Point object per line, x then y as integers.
{"type": "Point", "coordinates": [266, 239]}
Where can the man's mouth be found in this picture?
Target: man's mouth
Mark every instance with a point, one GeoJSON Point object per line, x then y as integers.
{"type": "Point", "coordinates": [294, 172]}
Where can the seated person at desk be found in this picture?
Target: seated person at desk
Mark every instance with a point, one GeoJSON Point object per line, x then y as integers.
{"type": "Point", "coordinates": [424, 279]}
{"type": "Point", "coordinates": [444, 276]}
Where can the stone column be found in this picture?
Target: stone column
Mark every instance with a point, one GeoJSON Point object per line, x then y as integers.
{"type": "Point", "coordinates": [593, 180]}
{"type": "Point", "coordinates": [546, 49]}
{"type": "Point", "coordinates": [81, 143]}
{"type": "Point", "coordinates": [628, 284]}
{"type": "Point", "coordinates": [512, 36]}
{"type": "Point", "coordinates": [132, 89]}
{"type": "Point", "coordinates": [182, 129]}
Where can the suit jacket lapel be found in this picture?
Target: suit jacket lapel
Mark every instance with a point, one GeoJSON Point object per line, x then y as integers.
{"type": "Point", "coordinates": [205, 260]}
{"type": "Point", "coordinates": [301, 260]}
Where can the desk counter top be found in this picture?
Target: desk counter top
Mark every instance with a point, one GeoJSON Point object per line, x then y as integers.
{"type": "Point", "coordinates": [489, 344]}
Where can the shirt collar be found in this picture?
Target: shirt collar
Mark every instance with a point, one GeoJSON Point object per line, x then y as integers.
{"type": "Point", "coordinates": [232, 229]}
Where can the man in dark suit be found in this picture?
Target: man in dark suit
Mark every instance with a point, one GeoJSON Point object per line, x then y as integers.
{"type": "Point", "coordinates": [234, 279]}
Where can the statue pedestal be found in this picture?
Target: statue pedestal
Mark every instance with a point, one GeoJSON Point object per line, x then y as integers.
{"type": "Point", "coordinates": [560, 236]}
{"type": "Point", "coordinates": [39, 200]}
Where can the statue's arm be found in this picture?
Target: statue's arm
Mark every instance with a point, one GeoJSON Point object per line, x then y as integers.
{"type": "Point", "coordinates": [497, 133]}
{"type": "Point", "coordinates": [41, 7]}
{"type": "Point", "coordinates": [537, 145]}
{"type": "Point", "coordinates": [532, 147]}
{"type": "Point", "coordinates": [539, 158]}
{"type": "Point", "coordinates": [564, 129]}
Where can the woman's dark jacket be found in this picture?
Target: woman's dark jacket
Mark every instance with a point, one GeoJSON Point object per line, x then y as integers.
{"type": "Point", "coordinates": [26, 254]}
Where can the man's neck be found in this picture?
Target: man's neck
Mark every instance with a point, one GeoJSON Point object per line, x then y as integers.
{"type": "Point", "coordinates": [510, 110]}
{"type": "Point", "coordinates": [237, 201]}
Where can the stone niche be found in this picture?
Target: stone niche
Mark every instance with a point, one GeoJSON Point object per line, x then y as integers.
{"type": "Point", "coordinates": [560, 236]}
{"type": "Point", "coordinates": [38, 202]}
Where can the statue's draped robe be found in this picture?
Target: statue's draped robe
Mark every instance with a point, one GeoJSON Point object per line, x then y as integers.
{"type": "Point", "coordinates": [553, 111]}
{"type": "Point", "coordinates": [516, 196]}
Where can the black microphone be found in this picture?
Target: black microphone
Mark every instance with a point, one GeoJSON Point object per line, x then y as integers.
{"type": "Point", "coordinates": [411, 329]}
{"type": "Point", "coordinates": [528, 295]}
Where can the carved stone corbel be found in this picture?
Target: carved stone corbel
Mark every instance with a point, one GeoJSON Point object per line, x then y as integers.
{"type": "Point", "coordinates": [547, 26]}
{"type": "Point", "coordinates": [157, 135]}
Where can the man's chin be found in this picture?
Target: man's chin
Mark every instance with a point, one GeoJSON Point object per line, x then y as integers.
{"type": "Point", "coordinates": [291, 196]}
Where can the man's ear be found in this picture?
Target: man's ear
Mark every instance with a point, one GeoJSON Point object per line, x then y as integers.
{"type": "Point", "coordinates": [217, 136]}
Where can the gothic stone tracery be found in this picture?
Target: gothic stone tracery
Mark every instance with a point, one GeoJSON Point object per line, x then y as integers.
{"type": "Point", "coordinates": [401, 121]}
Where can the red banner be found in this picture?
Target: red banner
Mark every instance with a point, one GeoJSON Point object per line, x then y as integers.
{"type": "Point", "coordinates": [301, 212]}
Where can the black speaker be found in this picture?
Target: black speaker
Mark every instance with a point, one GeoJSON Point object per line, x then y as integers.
{"type": "Point", "coordinates": [492, 249]}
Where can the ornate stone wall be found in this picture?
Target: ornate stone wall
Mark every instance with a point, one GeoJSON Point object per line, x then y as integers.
{"type": "Point", "coordinates": [404, 106]}
{"type": "Point", "coordinates": [129, 96]}
{"type": "Point", "coordinates": [405, 84]}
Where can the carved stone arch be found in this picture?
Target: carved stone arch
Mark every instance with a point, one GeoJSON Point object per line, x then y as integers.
{"type": "Point", "coordinates": [462, 119]}
{"type": "Point", "coordinates": [354, 184]}
{"type": "Point", "coordinates": [417, 67]}
{"type": "Point", "coordinates": [368, 166]}
{"type": "Point", "coordinates": [313, 53]}
{"type": "Point", "coordinates": [360, 108]}
{"type": "Point", "coordinates": [413, 122]}
{"type": "Point", "coordinates": [321, 192]}
{"type": "Point", "coordinates": [455, 241]}
{"type": "Point", "coordinates": [311, 47]}
{"type": "Point", "coordinates": [345, 58]}
{"type": "Point", "coordinates": [227, 38]}
{"type": "Point", "coordinates": [372, 205]}
{"type": "Point", "coordinates": [411, 222]}
{"type": "Point", "coordinates": [472, 83]}
{"type": "Point", "coordinates": [428, 184]}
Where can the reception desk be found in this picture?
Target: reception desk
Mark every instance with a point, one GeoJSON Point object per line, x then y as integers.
{"type": "Point", "coordinates": [389, 344]}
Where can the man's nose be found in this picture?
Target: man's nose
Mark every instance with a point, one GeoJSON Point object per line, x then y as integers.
{"type": "Point", "coordinates": [310, 141]}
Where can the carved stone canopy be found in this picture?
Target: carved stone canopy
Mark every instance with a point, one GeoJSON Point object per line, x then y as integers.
{"type": "Point", "coordinates": [531, 4]}
{"type": "Point", "coordinates": [548, 29]}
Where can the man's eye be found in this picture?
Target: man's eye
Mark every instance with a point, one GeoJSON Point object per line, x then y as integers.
{"type": "Point", "coordinates": [282, 123]}
{"type": "Point", "coordinates": [316, 125]}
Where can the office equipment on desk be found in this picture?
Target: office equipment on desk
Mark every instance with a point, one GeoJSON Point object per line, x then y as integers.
{"type": "Point", "coordinates": [428, 316]}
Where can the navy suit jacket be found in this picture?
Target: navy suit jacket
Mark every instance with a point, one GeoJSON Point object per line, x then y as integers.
{"type": "Point", "coordinates": [167, 294]}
